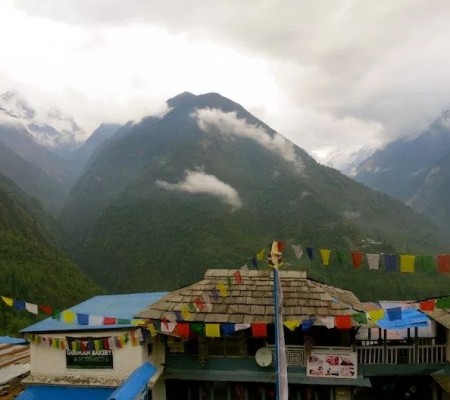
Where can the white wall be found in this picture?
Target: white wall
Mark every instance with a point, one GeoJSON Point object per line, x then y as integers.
{"type": "Point", "coordinates": [49, 361]}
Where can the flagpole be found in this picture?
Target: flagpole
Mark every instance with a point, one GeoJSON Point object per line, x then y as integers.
{"type": "Point", "coordinates": [277, 346]}
{"type": "Point", "coordinates": [281, 374]}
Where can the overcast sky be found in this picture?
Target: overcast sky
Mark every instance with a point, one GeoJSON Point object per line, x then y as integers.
{"type": "Point", "coordinates": [325, 74]}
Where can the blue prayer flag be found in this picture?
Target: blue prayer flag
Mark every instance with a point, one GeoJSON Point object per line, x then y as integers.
{"type": "Point", "coordinates": [310, 252]}
{"type": "Point", "coordinates": [83, 319]}
{"type": "Point", "coordinates": [391, 262]}
{"type": "Point", "coordinates": [307, 325]}
{"type": "Point", "coordinates": [394, 313]}
{"type": "Point", "coordinates": [19, 305]}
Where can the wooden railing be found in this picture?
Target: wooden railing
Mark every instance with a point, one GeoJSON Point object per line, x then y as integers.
{"type": "Point", "coordinates": [402, 354]}
{"type": "Point", "coordinates": [376, 354]}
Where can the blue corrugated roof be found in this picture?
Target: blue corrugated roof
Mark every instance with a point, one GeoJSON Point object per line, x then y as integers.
{"type": "Point", "coordinates": [135, 384]}
{"type": "Point", "coordinates": [124, 306]}
{"type": "Point", "coordinates": [12, 340]}
{"type": "Point", "coordinates": [66, 393]}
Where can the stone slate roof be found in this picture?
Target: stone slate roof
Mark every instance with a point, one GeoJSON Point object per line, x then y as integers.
{"type": "Point", "coordinates": [441, 316]}
{"type": "Point", "coordinates": [252, 299]}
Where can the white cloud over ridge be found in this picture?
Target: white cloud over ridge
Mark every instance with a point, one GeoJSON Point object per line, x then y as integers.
{"type": "Point", "coordinates": [200, 182]}
{"type": "Point", "coordinates": [327, 74]}
{"type": "Point", "coordinates": [228, 124]}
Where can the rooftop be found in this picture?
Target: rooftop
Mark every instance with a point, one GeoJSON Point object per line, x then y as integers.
{"type": "Point", "coordinates": [124, 306]}
{"type": "Point", "coordinates": [251, 300]}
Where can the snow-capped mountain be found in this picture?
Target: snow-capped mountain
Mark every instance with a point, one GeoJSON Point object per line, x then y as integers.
{"type": "Point", "coordinates": [51, 128]}
{"type": "Point", "coordinates": [345, 160]}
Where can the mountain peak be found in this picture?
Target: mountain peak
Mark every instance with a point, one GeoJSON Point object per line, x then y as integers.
{"type": "Point", "coordinates": [181, 99]}
{"type": "Point", "coordinates": [13, 105]}
{"type": "Point", "coordinates": [50, 127]}
{"type": "Point", "coordinates": [208, 100]}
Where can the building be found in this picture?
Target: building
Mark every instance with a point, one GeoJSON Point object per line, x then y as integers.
{"type": "Point", "coordinates": [225, 367]}
{"type": "Point", "coordinates": [214, 340]}
{"type": "Point", "coordinates": [91, 349]}
{"type": "Point", "coordinates": [325, 359]}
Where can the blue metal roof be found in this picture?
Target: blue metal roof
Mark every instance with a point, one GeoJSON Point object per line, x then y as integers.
{"type": "Point", "coordinates": [135, 384]}
{"type": "Point", "coordinates": [124, 306]}
{"type": "Point", "coordinates": [64, 392]}
{"type": "Point", "coordinates": [12, 340]}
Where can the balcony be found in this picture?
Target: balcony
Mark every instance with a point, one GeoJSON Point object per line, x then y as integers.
{"type": "Point", "coordinates": [377, 354]}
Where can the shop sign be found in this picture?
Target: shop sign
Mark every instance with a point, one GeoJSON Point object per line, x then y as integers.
{"type": "Point", "coordinates": [89, 359]}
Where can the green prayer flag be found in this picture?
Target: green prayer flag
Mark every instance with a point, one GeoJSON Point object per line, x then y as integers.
{"type": "Point", "coordinates": [360, 318]}
{"type": "Point", "coordinates": [121, 321]}
{"type": "Point", "coordinates": [426, 263]}
{"type": "Point", "coordinates": [198, 329]}
{"type": "Point", "coordinates": [56, 314]}
{"type": "Point", "coordinates": [443, 302]}
{"type": "Point", "coordinates": [192, 307]}
{"type": "Point", "coordinates": [229, 282]}
{"type": "Point", "coordinates": [340, 257]}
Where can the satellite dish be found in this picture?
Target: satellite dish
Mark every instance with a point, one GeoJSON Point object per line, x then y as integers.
{"type": "Point", "coordinates": [263, 357]}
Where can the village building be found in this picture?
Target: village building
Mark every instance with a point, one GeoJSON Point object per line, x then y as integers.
{"type": "Point", "coordinates": [215, 340]}
{"type": "Point", "coordinates": [325, 361]}
{"type": "Point", "coordinates": [89, 357]}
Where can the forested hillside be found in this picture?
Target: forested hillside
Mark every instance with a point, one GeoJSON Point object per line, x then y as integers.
{"type": "Point", "coordinates": [32, 265]}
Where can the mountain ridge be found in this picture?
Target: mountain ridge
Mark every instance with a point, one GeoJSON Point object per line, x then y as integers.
{"type": "Point", "coordinates": [156, 202]}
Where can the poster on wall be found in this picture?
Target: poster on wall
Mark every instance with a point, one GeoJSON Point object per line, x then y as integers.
{"type": "Point", "coordinates": [332, 364]}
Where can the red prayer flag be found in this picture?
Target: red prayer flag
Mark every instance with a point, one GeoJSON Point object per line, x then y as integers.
{"type": "Point", "coordinates": [199, 303]}
{"type": "Point", "coordinates": [357, 258]}
{"type": "Point", "coordinates": [46, 309]}
{"type": "Point", "coordinates": [237, 277]}
{"type": "Point", "coordinates": [343, 322]}
{"type": "Point", "coordinates": [105, 344]}
{"type": "Point", "coordinates": [427, 305]}
{"type": "Point", "coordinates": [443, 261]}
{"type": "Point", "coordinates": [109, 321]}
{"type": "Point", "coordinates": [259, 330]}
{"type": "Point", "coordinates": [182, 329]}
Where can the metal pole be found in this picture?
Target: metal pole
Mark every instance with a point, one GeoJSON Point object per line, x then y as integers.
{"type": "Point", "coordinates": [277, 349]}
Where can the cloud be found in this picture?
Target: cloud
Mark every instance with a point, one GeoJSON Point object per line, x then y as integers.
{"type": "Point", "coordinates": [228, 124]}
{"type": "Point", "coordinates": [200, 182]}
{"type": "Point", "coordinates": [349, 72]}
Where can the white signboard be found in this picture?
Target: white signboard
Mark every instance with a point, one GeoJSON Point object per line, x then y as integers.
{"type": "Point", "coordinates": [332, 364]}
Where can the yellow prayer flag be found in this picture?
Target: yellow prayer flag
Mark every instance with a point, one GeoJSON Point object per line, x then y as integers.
{"type": "Point", "coordinates": [375, 315]}
{"type": "Point", "coordinates": [292, 324]}
{"type": "Point", "coordinates": [151, 329]}
{"type": "Point", "coordinates": [223, 291]}
{"type": "Point", "coordinates": [68, 316]}
{"type": "Point", "coordinates": [212, 330]}
{"type": "Point", "coordinates": [97, 345]}
{"type": "Point", "coordinates": [137, 322]}
{"type": "Point", "coordinates": [325, 253]}
{"type": "Point", "coordinates": [261, 255]}
{"type": "Point", "coordinates": [8, 301]}
{"type": "Point", "coordinates": [185, 312]}
{"type": "Point", "coordinates": [407, 263]}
